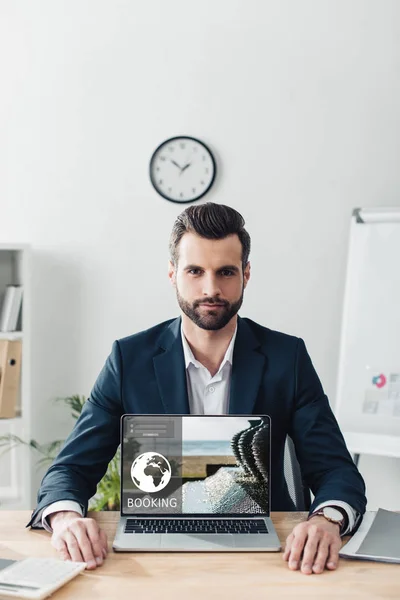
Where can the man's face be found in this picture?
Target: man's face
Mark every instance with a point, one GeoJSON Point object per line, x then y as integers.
{"type": "Point", "coordinates": [209, 279]}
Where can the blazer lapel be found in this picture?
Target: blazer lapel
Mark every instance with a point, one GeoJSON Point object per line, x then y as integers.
{"type": "Point", "coordinates": [248, 366]}
{"type": "Point", "coordinates": [169, 367]}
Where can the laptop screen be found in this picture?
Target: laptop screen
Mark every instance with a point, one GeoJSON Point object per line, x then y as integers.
{"type": "Point", "coordinates": [197, 465]}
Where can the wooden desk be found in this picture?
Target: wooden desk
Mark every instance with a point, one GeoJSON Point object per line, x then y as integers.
{"type": "Point", "coordinates": [226, 576]}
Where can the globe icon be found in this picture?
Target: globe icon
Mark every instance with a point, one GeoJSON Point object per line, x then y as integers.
{"type": "Point", "coordinates": [151, 472]}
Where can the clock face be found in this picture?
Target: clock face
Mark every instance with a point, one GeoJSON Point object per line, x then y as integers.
{"type": "Point", "coordinates": [182, 169]}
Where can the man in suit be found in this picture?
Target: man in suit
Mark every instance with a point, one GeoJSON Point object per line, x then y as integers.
{"type": "Point", "coordinates": [209, 361]}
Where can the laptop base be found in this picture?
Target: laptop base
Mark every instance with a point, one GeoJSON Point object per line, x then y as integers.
{"type": "Point", "coordinates": [196, 542]}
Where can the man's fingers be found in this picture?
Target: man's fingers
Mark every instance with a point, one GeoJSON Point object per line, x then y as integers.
{"type": "Point", "coordinates": [85, 546]}
{"type": "Point", "coordinates": [81, 539]}
{"type": "Point", "coordinates": [296, 549]}
{"type": "Point", "coordinates": [313, 546]}
{"type": "Point", "coordinates": [333, 557]}
{"type": "Point", "coordinates": [93, 533]}
{"type": "Point", "coordinates": [310, 550]}
{"type": "Point", "coordinates": [288, 546]}
{"type": "Point", "coordinates": [104, 541]}
{"type": "Point", "coordinates": [61, 548]}
{"type": "Point", "coordinates": [322, 555]}
{"type": "Point", "coordinates": [73, 546]}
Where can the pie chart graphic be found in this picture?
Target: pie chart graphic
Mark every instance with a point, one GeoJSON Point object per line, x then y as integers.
{"type": "Point", "coordinates": [379, 380]}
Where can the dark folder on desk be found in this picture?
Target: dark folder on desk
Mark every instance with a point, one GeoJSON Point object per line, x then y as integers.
{"type": "Point", "coordinates": [378, 538]}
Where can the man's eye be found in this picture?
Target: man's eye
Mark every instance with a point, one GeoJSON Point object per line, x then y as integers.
{"type": "Point", "coordinates": [194, 271]}
{"type": "Point", "coordinates": [227, 273]}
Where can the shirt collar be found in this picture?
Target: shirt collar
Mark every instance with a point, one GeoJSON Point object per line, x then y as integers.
{"type": "Point", "coordinates": [191, 360]}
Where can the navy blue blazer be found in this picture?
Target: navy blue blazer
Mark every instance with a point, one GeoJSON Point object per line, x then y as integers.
{"type": "Point", "coordinates": [272, 374]}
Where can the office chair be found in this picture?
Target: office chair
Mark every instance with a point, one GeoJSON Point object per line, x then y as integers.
{"type": "Point", "coordinates": [299, 493]}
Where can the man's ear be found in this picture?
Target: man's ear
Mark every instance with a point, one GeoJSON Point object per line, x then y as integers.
{"type": "Point", "coordinates": [246, 274]}
{"type": "Point", "coordinates": [172, 273]}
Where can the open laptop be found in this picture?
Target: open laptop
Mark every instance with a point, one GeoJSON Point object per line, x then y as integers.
{"type": "Point", "coordinates": [195, 483]}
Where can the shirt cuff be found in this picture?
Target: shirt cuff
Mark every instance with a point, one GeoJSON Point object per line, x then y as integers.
{"type": "Point", "coordinates": [41, 517]}
{"type": "Point", "coordinates": [352, 514]}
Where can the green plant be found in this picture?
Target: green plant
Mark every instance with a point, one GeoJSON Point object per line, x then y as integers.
{"type": "Point", "coordinates": [107, 495]}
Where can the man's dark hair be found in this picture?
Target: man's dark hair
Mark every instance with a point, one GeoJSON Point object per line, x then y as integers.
{"type": "Point", "coordinates": [211, 221]}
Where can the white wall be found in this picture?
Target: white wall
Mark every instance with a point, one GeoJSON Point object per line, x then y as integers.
{"type": "Point", "coordinates": [299, 100]}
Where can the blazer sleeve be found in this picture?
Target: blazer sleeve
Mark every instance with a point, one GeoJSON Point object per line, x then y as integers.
{"type": "Point", "coordinates": [326, 465]}
{"type": "Point", "coordinates": [84, 458]}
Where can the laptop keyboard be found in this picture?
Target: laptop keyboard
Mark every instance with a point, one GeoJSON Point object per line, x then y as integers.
{"type": "Point", "coordinates": [195, 526]}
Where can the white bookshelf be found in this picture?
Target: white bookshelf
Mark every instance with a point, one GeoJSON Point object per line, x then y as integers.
{"type": "Point", "coordinates": [16, 464]}
{"type": "Point", "coordinates": [11, 335]}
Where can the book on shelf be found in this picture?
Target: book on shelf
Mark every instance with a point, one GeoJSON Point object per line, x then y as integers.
{"type": "Point", "coordinates": [11, 308]}
{"type": "Point", "coordinates": [10, 374]}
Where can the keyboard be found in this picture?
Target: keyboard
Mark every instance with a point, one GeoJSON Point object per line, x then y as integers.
{"type": "Point", "coordinates": [195, 526]}
{"type": "Point", "coordinates": [37, 578]}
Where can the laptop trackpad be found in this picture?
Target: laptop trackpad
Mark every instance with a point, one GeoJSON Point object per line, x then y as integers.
{"type": "Point", "coordinates": [196, 541]}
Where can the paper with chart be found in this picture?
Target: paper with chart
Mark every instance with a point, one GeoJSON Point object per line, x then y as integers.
{"type": "Point", "coordinates": [368, 392]}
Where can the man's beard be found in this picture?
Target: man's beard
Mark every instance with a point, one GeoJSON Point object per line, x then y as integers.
{"type": "Point", "coordinates": [213, 319]}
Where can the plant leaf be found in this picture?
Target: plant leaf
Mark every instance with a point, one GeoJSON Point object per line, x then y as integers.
{"type": "Point", "coordinates": [75, 403]}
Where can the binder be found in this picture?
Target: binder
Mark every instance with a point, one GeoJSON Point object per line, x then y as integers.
{"type": "Point", "coordinates": [11, 308]}
{"type": "Point", "coordinates": [10, 373]}
{"type": "Point", "coordinates": [7, 307]}
{"type": "Point", "coordinates": [16, 308]}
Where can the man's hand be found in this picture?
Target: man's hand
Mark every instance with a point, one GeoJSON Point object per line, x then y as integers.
{"type": "Point", "coordinates": [77, 538]}
{"type": "Point", "coordinates": [312, 545]}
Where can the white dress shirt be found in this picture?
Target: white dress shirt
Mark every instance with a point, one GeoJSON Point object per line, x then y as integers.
{"type": "Point", "coordinates": [207, 395]}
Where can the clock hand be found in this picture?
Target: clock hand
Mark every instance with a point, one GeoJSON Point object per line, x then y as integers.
{"type": "Point", "coordinates": [176, 164]}
{"type": "Point", "coordinates": [186, 166]}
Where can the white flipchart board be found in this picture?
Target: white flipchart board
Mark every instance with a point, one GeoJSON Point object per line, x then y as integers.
{"type": "Point", "coordinates": [368, 397]}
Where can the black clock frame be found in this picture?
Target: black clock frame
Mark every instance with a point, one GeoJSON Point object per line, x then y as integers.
{"type": "Point", "coordinates": [182, 137]}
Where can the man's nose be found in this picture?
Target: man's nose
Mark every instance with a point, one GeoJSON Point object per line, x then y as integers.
{"type": "Point", "coordinates": [211, 286]}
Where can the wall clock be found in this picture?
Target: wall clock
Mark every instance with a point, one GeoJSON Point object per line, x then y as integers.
{"type": "Point", "coordinates": [182, 169]}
